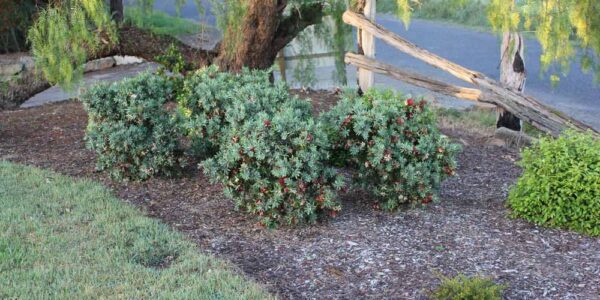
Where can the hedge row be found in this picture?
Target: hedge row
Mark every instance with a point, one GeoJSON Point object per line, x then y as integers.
{"type": "Point", "coordinates": [264, 146]}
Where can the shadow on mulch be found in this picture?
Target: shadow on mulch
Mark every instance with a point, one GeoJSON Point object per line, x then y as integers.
{"type": "Point", "coordinates": [363, 253]}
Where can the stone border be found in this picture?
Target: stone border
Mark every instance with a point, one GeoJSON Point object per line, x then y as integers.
{"type": "Point", "coordinates": [17, 66]}
{"type": "Point", "coordinates": [111, 61]}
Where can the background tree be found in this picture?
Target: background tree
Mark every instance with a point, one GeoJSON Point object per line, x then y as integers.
{"type": "Point", "coordinates": [256, 30]}
{"type": "Point", "coordinates": [65, 34]}
{"type": "Point", "coordinates": [116, 10]}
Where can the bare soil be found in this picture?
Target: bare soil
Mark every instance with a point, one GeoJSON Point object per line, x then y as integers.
{"type": "Point", "coordinates": [364, 252]}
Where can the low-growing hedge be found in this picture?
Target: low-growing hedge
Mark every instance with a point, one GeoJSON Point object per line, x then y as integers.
{"type": "Point", "coordinates": [560, 185]}
{"type": "Point", "coordinates": [264, 146]}
{"type": "Point", "coordinates": [131, 130]}
{"type": "Point", "coordinates": [208, 96]}
{"type": "Point", "coordinates": [274, 163]}
{"type": "Point", "coordinates": [394, 143]}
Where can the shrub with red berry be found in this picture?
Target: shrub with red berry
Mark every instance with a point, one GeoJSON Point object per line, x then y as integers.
{"type": "Point", "coordinates": [274, 165]}
{"type": "Point", "coordinates": [209, 95]}
{"type": "Point", "coordinates": [394, 143]}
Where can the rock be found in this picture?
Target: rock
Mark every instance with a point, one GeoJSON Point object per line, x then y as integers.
{"type": "Point", "coordinates": [11, 68]}
{"type": "Point", "coordinates": [99, 64]}
{"type": "Point", "coordinates": [127, 60]}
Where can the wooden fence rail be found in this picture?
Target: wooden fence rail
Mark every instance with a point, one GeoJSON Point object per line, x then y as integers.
{"type": "Point", "coordinates": [525, 107]}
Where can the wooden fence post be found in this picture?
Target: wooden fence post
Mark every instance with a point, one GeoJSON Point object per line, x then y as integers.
{"type": "Point", "coordinates": [366, 45]}
{"type": "Point", "coordinates": [512, 75]}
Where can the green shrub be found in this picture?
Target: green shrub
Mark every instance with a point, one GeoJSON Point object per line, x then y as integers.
{"type": "Point", "coordinates": [208, 96]}
{"type": "Point", "coordinates": [130, 128]}
{"type": "Point", "coordinates": [395, 145]}
{"type": "Point", "coordinates": [560, 185]}
{"type": "Point", "coordinates": [274, 164]}
{"type": "Point", "coordinates": [172, 59]}
{"type": "Point", "coordinates": [465, 288]}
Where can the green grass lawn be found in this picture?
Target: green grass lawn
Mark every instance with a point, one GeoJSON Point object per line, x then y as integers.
{"type": "Point", "coordinates": [63, 238]}
{"type": "Point", "coordinates": [161, 23]}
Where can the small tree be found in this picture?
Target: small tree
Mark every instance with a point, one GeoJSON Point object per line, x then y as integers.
{"type": "Point", "coordinates": [65, 34]}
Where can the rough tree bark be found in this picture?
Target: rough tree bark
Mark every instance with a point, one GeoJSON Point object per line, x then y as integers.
{"type": "Point", "coordinates": [116, 10]}
{"type": "Point", "coordinates": [512, 75]}
{"type": "Point", "coordinates": [265, 31]}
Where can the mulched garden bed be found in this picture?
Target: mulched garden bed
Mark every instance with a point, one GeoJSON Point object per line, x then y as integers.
{"type": "Point", "coordinates": [363, 253]}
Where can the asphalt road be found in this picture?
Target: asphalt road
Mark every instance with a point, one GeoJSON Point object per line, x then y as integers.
{"type": "Point", "coordinates": [576, 94]}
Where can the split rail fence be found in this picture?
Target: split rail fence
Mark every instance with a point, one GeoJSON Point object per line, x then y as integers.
{"type": "Point", "coordinates": [488, 90]}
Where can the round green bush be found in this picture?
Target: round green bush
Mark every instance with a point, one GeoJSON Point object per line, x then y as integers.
{"type": "Point", "coordinates": [394, 143]}
{"type": "Point", "coordinates": [462, 287]}
{"type": "Point", "coordinates": [130, 129]}
{"type": "Point", "coordinates": [560, 185]}
{"type": "Point", "coordinates": [208, 96]}
{"type": "Point", "coordinates": [274, 165]}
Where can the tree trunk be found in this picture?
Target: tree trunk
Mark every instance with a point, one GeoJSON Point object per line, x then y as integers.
{"type": "Point", "coordinates": [116, 10]}
{"type": "Point", "coordinates": [263, 33]}
{"type": "Point", "coordinates": [512, 75]}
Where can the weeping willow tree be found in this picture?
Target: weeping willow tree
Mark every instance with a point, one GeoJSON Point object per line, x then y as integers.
{"type": "Point", "coordinates": [65, 34]}
{"type": "Point", "coordinates": [564, 28]}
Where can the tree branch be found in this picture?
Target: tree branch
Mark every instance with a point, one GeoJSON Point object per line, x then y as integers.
{"type": "Point", "coordinates": [300, 18]}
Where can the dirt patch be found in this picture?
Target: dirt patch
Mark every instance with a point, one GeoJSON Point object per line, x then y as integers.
{"type": "Point", "coordinates": [363, 253]}
{"type": "Point", "coordinates": [15, 91]}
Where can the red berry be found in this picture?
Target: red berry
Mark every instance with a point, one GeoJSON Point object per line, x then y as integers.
{"type": "Point", "coordinates": [427, 199]}
{"type": "Point", "coordinates": [410, 102]}
{"type": "Point", "coordinates": [347, 120]}
{"type": "Point", "coordinates": [282, 181]}
{"type": "Point", "coordinates": [320, 198]}
{"type": "Point", "coordinates": [267, 123]}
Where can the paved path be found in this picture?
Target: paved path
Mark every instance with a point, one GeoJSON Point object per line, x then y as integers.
{"type": "Point", "coordinates": [56, 94]}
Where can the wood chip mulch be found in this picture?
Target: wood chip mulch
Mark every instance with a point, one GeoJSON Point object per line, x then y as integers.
{"type": "Point", "coordinates": [363, 253]}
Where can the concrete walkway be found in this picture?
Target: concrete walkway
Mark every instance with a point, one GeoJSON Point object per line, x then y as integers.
{"type": "Point", "coordinates": [56, 94]}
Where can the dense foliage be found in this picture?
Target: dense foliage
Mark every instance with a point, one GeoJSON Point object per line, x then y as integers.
{"type": "Point", "coordinates": [65, 35]}
{"type": "Point", "coordinates": [462, 287]}
{"type": "Point", "coordinates": [130, 129]}
{"type": "Point", "coordinates": [208, 96]}
{"type": "Point", "coordinates": [395, 144]}
{"type": "Point", "coordinates": [172, 60]}
{"type": "Point", "coordinates": [560, 185]}
{"type": "Point", "coordinates": [272, 157]}
{"type": "Point", "coordinates": [273, 162]}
